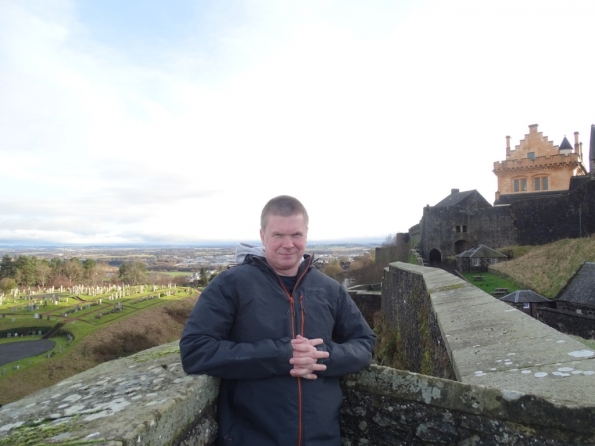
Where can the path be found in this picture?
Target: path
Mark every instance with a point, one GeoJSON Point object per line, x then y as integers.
{"type": "Point", "coordinates": [15, 351]}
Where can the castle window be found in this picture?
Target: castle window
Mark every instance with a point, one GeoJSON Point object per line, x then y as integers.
{"type": "Point", "coordinates": [531, 156]}
{"type": "Point", "coordinates": [520, 185]}
{"type": "Point", "coordinates": [541, 183]}
{"type": "Point", "coordinates": [458, 229]}
{"type": "Point", "coordinates": [464, 228]}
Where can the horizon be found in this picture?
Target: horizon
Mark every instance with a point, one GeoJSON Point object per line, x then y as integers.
{"type": "Point", "coordinates": [202, 244]}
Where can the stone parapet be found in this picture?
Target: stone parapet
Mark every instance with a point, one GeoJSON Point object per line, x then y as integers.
{"type": "Point", "coordinates": [488, 342]}
{"type": "Point", "coordinates": [551, 162]}
{"type": "Point", "coordinates": [145, 399]}
{"type": "Point", "coordinates": [386, 407]}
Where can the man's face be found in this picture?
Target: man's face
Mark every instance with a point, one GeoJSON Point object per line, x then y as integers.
{"type": "Point", "coordinates": [284, 240]}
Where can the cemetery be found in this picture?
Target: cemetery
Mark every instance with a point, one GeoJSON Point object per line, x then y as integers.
{"type": "Point", "coordinates": [37, 325]}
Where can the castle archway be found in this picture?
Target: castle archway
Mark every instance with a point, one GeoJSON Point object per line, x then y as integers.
{"type": "Point", "coordinates": [460, 246]}
{"type": "Point", "coordinates": [435, 256]}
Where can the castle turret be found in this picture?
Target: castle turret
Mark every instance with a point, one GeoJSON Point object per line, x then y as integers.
{"type": "Point", "coordinates": [565, 147]}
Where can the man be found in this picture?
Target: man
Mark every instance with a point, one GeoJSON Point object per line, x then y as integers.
{"type": "Point", "coordinates": [279, 334]}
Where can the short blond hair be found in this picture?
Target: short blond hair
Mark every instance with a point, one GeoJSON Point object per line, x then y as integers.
{"type": "Point", "coordinates": [284, 206]}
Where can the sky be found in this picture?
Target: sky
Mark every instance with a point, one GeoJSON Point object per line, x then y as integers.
{"type": "Point", "coordinates": [175, 122]}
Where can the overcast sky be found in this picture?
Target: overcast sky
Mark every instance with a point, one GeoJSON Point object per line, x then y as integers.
{"type": "Point", "coordinates": [174, 122]}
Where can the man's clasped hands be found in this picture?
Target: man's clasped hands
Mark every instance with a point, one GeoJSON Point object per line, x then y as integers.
{"type": "Point", "coordinates": [305, 357]}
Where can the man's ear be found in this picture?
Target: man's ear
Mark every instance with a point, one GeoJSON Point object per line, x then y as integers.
{"type": "Point", "coordinates": [262, 236]}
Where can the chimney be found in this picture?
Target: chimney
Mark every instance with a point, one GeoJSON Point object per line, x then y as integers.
{"type": "Point", "coordinates": [533, 128]}
{"type": "Point", "coordinates": [577, 145]}
{"type": "Point", "coordinates": [454, 191]}
{"type": "Point", "coordinates": [507, 146]}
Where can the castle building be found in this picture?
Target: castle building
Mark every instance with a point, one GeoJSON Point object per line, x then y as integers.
{"type": "Point", "coordinates": [544, 194]}
{"type": "Point", "coordinates": [537, 166]}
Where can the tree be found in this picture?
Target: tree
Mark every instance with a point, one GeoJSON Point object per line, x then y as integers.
{"type": "Point", "coordinates": [7, 284]}
{"type": "Point", "coordinates": [333, 269]}
{"type": "Point", "coordinates": [7, 267]}
{"type": "Point", "coordinates": [90, 271]}
{"type": "Point", "coordinates": [26, 270]}
{"type": "Point", "coordinates": [133, 273]}
{"type": "Point", "coordinates": [72, 269]}
{"type": "Point", "coordinates": [202, 277]}
{"type": "Point", "coordinates": [43, 272]}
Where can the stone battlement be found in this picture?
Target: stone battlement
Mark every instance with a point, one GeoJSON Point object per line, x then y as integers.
{"type": "Point", "coordinates": [551, 162]}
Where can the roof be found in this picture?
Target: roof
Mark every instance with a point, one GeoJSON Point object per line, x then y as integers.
{"type": "Point", "coordinates": [482, 252]}
{"type": "Point", "coordinates": [460, 198]}
{"type": "Point", "coordinates": [581, 287]}
{"type": "Point", "coordinates": [578, 181]}
{"type": "Point", "coordinates": [565, 145]}
{"type": "Point", "coordinates": [524, 296]}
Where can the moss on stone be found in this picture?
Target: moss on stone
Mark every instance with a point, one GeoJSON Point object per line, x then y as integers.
{"type": "Point", "coordinates": [159, 353]}
{"type": "Point", "coordinates": [454, 286]}
{"type": "Point", "coordinates": [36, 433]}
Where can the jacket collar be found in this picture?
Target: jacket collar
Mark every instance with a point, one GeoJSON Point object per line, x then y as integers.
{"type": "Point", "coordinates": [261, 262]}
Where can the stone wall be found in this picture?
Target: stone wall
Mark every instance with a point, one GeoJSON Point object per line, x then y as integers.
{"type": "Point", "coordinates": [573, 323]}
{"type": "Point", "coordinates": [145, 399]}
{"type": "Point", "coordinates": [488, 342]}
{"type": "Point", "coordinates": [368, 301]}
{"type": "Point", "coordinates": [389, 407]}
{"type": "Point", "coordinates": [492, 226]}
{"type": "Point", "coordinates": [405, 306]}
{"type": "Point", "coordinates": [533, 221]}
{"type": "Point", "coordinates": [542, 221]}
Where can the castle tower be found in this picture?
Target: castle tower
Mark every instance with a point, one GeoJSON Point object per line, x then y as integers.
{"type": "Point", "coordinates": [536, 167]}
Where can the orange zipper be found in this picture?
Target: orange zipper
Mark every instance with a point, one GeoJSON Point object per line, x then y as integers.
{"type": "Point", "coordinates": [293, 334]}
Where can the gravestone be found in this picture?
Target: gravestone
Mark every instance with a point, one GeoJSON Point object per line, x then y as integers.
{"type": "Point", "coordinates": [9, 335]}
{"type": "Point", "coordinates": [36, 316]}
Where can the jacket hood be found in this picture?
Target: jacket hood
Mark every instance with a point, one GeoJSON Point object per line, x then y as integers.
{"type": "Point", "coordinates": [243, 249]}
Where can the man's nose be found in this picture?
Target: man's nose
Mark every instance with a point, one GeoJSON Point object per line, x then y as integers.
{"type": "Point", "coordinates": [287, 242]}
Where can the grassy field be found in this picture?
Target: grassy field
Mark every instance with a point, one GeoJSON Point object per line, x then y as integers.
{"type": "Point", "coordinates": [490, 282]}
{"type": "Point", "coordinates": [175, 273]}
{"type": "Point", "coordinates": [546, 269]}
{"type": "Point", "coordinates": [141, 324]}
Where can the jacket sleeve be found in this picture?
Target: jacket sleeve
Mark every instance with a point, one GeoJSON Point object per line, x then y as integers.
{"type": "Point", "coordinates": [353, 340]}
{"type": "Point", "coordinates": [205, 347]}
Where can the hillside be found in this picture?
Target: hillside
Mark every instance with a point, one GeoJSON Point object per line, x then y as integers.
{"type": "Point", "coordinates": [148, 328]}
{"type": "Point", "coordinates": [546, 268]}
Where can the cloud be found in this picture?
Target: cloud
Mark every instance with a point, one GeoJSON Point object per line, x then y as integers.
{"type": "Point", "coordinates": [181, 124]}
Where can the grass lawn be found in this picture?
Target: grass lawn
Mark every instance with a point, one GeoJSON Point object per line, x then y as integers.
{"type": "Point", "coordinates": [175, 273]}
{"type": "Point", "coordinates": [490, 282]}
{"type": "Point", "coordinates": [79, 324]}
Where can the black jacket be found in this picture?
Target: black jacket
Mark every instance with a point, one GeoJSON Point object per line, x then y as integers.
{"type": "Point", "coordinates": [240, 330]}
